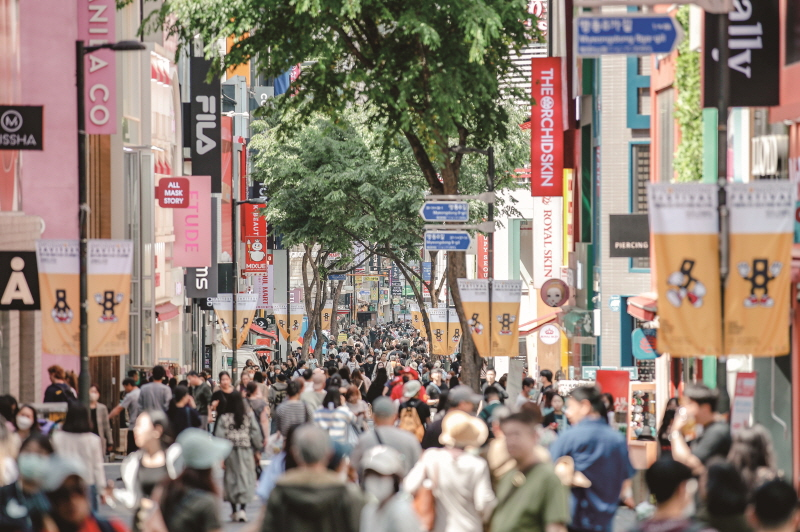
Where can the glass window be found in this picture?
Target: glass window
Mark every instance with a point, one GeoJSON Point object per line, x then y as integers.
{"type": "Point", "coordinates": [640, 175]}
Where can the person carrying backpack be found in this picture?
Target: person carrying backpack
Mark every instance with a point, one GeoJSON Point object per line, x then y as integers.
{"type": "Point", "coordinates": [58, 391]}
{"type": "Point", "coordinates": [275, 396]}
{"type": "Point", "coordinates": [414, 412]}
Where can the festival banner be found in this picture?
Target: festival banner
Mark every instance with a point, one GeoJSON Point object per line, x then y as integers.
{"type": "Point", "coordinates": [453, 332]}
{"type": "Point", "coordinates": [504, 309]}
{"type": "Point", "coordinates": [281, 312]}
{"type": "Point", "coordinates": [757, 294]}
{"type": "Point", "coordinates": [297, 312]}
{"type": "Point", "coordinates": [685, 225]}
{"type": "Point", "coordinates": [58, 262]}
{"type": "Point", "coordinates": [438, 319]}
{"type": "Point", "coordinates": [245, 311]}
{"type": "Point", "coordinates": [475, 302]}
{"type": "Point", "coordinates": [109, 288]}
{"type": "Point", "coordinates": [416, 316]}
{"type": "Point", "coordinates": [327, 314]}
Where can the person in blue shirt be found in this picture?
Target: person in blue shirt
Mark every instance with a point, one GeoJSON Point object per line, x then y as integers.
{"type": "Point", "coordinates": [600, 453]}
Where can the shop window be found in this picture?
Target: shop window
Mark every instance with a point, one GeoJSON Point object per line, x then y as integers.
{"type": "Point", "coordinates": [638, 96]}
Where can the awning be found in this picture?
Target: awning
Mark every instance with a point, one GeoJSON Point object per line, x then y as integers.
{"type": "Point", "coordinates": [534, 325]}
{"type": "Point", "coordinates": [258, 330]}
{"type": "Point", "coordinates": [167, 311]}
{"type": "Point", "coordinates": [644, 306]}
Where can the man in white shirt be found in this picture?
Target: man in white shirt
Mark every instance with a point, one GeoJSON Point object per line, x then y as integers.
{"type": "Point", "coordinates": [528, 384]}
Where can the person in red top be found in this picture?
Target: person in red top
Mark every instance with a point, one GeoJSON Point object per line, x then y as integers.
{"type": "Point", "coordinates": [69, 499]}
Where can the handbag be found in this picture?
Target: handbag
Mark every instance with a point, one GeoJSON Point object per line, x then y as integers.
{"type": "Point", "coordinates": [425, 503]}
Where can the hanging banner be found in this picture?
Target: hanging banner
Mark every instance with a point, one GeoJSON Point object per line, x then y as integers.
{"type": "Point", "coordinates": [504, 309]}
{"type": "Point", "coordinates": [297, 311]}
{"type": "Point", "coordinates": [327, 315]}
{"type": "Point", "coordinates": [281, 312]}
{"type": "Point", "coordinates": [206, 131]}
{"type": "Point", "coordinates": [483, 257]}
{"type": "Point", "coordinates": [475, 302]}
{"type": "Point", "coordinates": [757, 295]}
{"type": "Point", "coordinates": [109, 289]}
{"type": "Point", "coordinates": [453, 332]}
{"type": "Point", "coordinates": [685, 226]}
{"type": "Point", "coordinates": [262, 287]}
{"type": "Point", "coordinates": [548, 235]}
{"type": "Point", "coordinates": [438, 318]}
{"type": "Point", "coordinates": [192, 246]}
{"type": "Point", "coordinates": [416, 316]}
{"type": "Point", "coordinates": [245, 311]}
{"type": "Point", "coordinates": [547, 127]}
{"type": "Point", "coordinates": [59, 288]}
{"type": "Point", "coordinates": [97, 24]}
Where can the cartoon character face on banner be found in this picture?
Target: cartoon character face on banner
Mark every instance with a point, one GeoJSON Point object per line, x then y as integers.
{"type": "Point", "coordinates": [685, 286]}
{"type": "Point", "coordinates": [295, 325]}
{"type": "Point", "coordinates": [108, 300]}
{"type": "Point", "coordinates": [61, 312]}
{"type": "Point", "coordinates": [281, 324]}
{"type": "Point", "coordinates": [555, 293]}
{"type": "Point", "coordinates": [456, 336]}
{"type": "Point", "coordinates": [505, 321]}
{"type": "Point", "coordinates": [326, 316]}
{"type": "Point", "coordinates": [475, 325]}
{"type": "Point", "coordinates": [438, 333]}
{"type": "Point", "coordinates": [759, 274]}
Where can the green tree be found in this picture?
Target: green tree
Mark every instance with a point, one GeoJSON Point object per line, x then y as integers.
{"type": "Point", "coordinates": [430, 71]}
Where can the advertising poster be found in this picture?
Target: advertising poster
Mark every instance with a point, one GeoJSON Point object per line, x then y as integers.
{"type": "Point", "coordinates": [757, 295]}
{"type": "Point", "coordinates": [743, 400]}
{"type": "Point", "coordinates": [327, 315]}
{"type": "Point", "coordinates": [245, 311]}
{"type": "Point", "coordinates": [438, 318]}
{"type": "Point", "coordinates": [685, 227]}
{"type": "Point", "coordinates": [504, 310]}
{"type": "Point", "coordinates": [109, 289]}
{"type": "Point", "coordinates": [475, 302]}
{"type": "Point", "coordinates": [59, 288]}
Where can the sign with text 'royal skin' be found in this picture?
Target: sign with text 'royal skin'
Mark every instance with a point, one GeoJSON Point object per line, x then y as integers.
{"type": "Point", "coordinates": [96, 25]}
{"type": "Point", "coordinates": [548, 239]}
{"type": "Point", "coordinates": [192, 247]}
{"type": "Point", "coordinates": [547, 127]}
{"type": "Point", "coordinates": [685, 226]}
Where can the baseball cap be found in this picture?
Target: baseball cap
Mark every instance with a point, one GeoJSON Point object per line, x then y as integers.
{"type": "Point", "coordinates": [463, 393]}
{"type": "Point", "coordinates": [60, 469]}
{"type": "Point", "coordinates": [411, 389]}
{"type": "Point", "coordinates": [201, 450]}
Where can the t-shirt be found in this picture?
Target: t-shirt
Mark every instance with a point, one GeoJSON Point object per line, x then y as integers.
{"type": "Point", "coordinates": [541, 500]}
{"type": "Point", "coordinates": [290, 413]}
{"type": "Point", "coordinates": [398, 439]}
{"type": "Point", "coordinates": [715, 441]}
{"type": "Point", "coordinates": [202, 397]}
{"type": "Point", "coordinates": [222, 397]}
{"type": "Point", "coordinates": [131, 403]}
{"type": "Point", "coordinates": [154, 396]}
{"type": "Point", "coordinates": [197, 511]}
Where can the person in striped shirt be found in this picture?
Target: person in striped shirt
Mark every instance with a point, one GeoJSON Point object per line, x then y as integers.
{"type": "Point", "coordinates": [292, 411]}
{"type": "Point", "coordinates": [335, 418]}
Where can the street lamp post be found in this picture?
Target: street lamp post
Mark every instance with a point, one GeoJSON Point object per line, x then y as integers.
{"type": "Point", "coordinates": [235, 279]}
{"type": "Point", "coordinates": [84, 379]}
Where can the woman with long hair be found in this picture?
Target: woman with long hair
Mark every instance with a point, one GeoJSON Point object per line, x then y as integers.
{"type": "Point", "coordinates": [378, 383]}
{"type": "Point", "coordinates": [238, 424]}
{"type": "Point", "coordinates": [334, 417]}
{"type": "Point", "coordinates": [190, 501]}
{"type": "Point", "coordinates": [358, 380]}
{"type": "Point", "coordinates": [99, 415]}
{"type": "Point", "coordinates": [344, 373]}
{"type": "Point", "coordinates": [753, 455]}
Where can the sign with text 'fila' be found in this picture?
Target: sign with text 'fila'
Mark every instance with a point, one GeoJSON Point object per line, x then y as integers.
{"type": "Point", "coordinates": [547, 127]}
{"type": "Point", "coordinates": [96, 25]}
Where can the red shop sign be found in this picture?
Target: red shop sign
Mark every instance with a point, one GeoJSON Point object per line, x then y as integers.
{"type": "Point", "coordinates": [547, 128]}
{"type": "Point", "coordinates": [173, 192]}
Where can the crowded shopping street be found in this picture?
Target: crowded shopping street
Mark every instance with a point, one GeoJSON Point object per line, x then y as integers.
{"type": "Point", "coordinates": [416, 266]}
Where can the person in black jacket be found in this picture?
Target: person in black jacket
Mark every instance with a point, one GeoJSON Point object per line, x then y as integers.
{"type": "Point", "coordinates": [557, 419]}
{"type": "Point", "coordinates": [181, 415]}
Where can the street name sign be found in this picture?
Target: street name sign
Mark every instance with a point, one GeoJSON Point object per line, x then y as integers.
{"type": "Point", "coordinates": [447, 240]}
{"type": "Point", "coordinates": [337, 277]}
{"type": "Point", "coordinates": [709, 6]}
{"type": "Point", "coordinates": [445, 211]}
{"type": "Point", "coordinates": [597, 35]}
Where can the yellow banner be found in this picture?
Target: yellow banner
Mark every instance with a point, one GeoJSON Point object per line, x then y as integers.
{"type": "Point", "coordinates": [684, 226]}
{"type": "Point", "coordinates": [453, 332]}
{"type": "Point", "coordinates": [475, 302]}
{"type": "Point", "coordinates": [281, 312]}
{"type": "Point", "coordinates": [757, 295]}
{"type": "Point", "coordinates": [296, 313]}
{"type": "Point", "coordinates": [245, 310]}
{"type": "Point", "coordinates": [504, 308]}
{"type": "Point", "coordinates": [327, 315]}
{"type": "Point", "coordinates": [416, 316]}
{"type": "Point", "coordinates": [109, 288]}
{"type": "Point", "coordinates": [438, 319]}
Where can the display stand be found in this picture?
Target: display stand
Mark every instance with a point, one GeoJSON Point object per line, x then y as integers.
{"type": "Point", "coordinates": [642, 425]}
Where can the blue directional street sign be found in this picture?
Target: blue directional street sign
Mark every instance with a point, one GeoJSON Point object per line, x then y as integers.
{"type": "Point", "coordinates": [426, 271]}
{"type": "Point", "coordinates": [626, 35]}
{"type": "Point", "coordinates": [337, 277]}
{"type": "Point", "coordinates": [445, 211]}
{"type": "Point", "coordinates": [447, 240]}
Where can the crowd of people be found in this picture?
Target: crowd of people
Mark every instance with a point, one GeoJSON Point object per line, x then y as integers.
{"type": "Point", "coordinates": [378, 436]}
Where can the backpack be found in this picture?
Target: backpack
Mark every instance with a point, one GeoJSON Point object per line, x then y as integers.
{"type": "Point", "coordinates": [409, 420]}
{"type": "Point", "coordinates": [280, 395]}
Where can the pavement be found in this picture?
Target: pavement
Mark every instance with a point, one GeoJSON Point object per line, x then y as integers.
{"type": "Point", "coordinates": [624, 521]}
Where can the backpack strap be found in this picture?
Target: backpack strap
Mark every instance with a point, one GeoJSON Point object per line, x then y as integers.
{"type": "Point", "coordinates": [103, 524]}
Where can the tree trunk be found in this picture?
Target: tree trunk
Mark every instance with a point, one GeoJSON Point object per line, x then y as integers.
{"type": "Point", "coordinates": [335, 318]}
{"type": "Point", "coordinates": [471, 362]}
{"type": "Point", "coordinates": [418, 296]}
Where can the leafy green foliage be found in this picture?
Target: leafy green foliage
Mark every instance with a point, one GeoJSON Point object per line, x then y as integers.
{"type": "Point", "coordinates": [688, 161]}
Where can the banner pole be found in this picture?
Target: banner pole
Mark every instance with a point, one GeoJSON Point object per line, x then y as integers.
{"type": "Point", "coordinates": [722, 179]}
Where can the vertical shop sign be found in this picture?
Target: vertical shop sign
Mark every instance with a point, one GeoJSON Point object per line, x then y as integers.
{"type": "Point", "coordinates": [263, 287]}
{"type": "Point", "coordinates": [685, 227]}
{"type": "Point", "coordinates": [205, 134]}
{"type": "Point", "coordinates": [743, 400]}
{"type": "Point", "coordinates": [19, 281]}
{"type": "Point", "coordinates": [483, 257]}
{"type": "Point", "coordinates": [59, 288]}
{"type": "Point", "coordinates": [96, 25]}
{"type": "Point", "coordinates": [281, 312]}
{"type": "Point", "coordinates": [192, 247]}
{"type": "Point", "coordinates": [547, 127]}
{"type": "Point", "coordinates": [569, 214]}
{"type": "Point", "coordinates": [757, 302]}
{"type": "Point", "coordinates": [453, 331]}
{"type": "Point", "coordinates": [203, 283]}
{"type": "Point", "coordinates": [548, 234]}
{"type": "Point", "coordinates": [297, 311]}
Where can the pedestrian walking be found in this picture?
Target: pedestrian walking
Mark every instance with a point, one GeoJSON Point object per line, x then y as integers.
{"type": "Point", "coordinates": [181, 415]}
{"type": "Point", "coordinates": [459, 479]}
{"type": "Point", "coordinates": [310, 497]}
{"type": "Point", "coordinates": [260, 407]}
{"type": "Point", "coordinates": [600, 453]}
{"type": "Point", "coordinates": [775, 508]}
{"type": "Point", "coordinates": [530, 497]}
{"type": "Point", "coordinates": [753, 455]}
{"type": "Point", "coordinates": [528, 387]}
{"type": "Point", "coordinates": [155, 395]}
{"type": "Point", "coordinates": [313, 398]}
{"type": "Point", "coordinates": [201, 392]}
{"type": "Point", "coordinates": [723, 494]}
{"type": "Point", "coordinates": [58, 391]}
{"type": "Point", "coordinates": [142, 471]}
{"type": "Point", "coordinates": [491, 401]}
{"type": "Point", "coordinates": [23, 505]}
{"type": "Point", "coordinates": [392, 509]}
{"type": "Point", "coordinates": [100, 422]}
{"type": "Point", "coordinates": [491, 380]}
{"type": "Point", "coordinates": [276, 395]}
{"type": "Point", "coordinates": [75, 440]}
{"type": "Point", "coordinates": [556, 420]}
{"type": "Point", "coordinates": [238, 424]}
{"type": "Point", "coordinates": [292, 411]}
{"type": "Point", "coordinates": [384, 432]}
{"type": "Point", "coordinates": [715, 439]}
{"type": "Point", "coordinates": [190, 502]}
{"type": "Point", "coordinates": [336, 419]}
{"type": "Point", "coordinates": [27, 422]}
{"type": "Point", "coordinates": [461, 398]}
{"type": "Point", "coordinates": [130, 404]}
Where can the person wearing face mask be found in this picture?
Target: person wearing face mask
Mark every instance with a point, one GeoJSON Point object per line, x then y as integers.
{"type": "Point", "coordinates": [391, 509]}
{"type": "Point", "coordinates": [23, 506]}
{"type": "Point", "coordinates": [25, 422]}
{"type": "Point", "coordinates": [100, 423]}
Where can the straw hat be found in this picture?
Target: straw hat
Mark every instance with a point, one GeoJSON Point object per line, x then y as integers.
{"type": "Point", "coordinates": [460, 429]}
